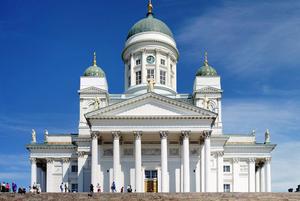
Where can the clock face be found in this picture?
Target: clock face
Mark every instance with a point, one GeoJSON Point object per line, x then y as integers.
{"type": "Point", "coordinates": [150, 59]}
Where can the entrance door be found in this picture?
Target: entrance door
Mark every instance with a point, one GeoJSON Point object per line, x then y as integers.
{"type": "Point", "coordinates": [151, 181]}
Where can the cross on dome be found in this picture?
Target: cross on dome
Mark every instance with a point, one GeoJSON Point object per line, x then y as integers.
{"type": "Point", "coordinates": [95, 61]}
{"type": "Point", "coordinates": [150, 7]}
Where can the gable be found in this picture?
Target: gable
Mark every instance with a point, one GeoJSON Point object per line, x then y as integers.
{"type": "Point", "coordinates": [150, 104]}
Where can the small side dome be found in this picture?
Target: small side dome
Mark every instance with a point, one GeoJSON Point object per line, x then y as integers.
{"type": "Point", "coordinates": [206, 70]}
{"type": "Point", "coordinates": [150, 23]}
{"type": "Point", "coordinates": [94, 70]}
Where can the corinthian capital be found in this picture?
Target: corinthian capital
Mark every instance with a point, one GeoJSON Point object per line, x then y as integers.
{"type": "Point", "coordinates": [116, 134]}
{"type": "Point", "coordinates": [206, 133]}
{"type": "Point", "coordinates": [32, 160]}
{"type": "Point", "coordinates": [137, 134]}
{"type": "Point", "coordinates": [95, 134]}
{"type": "Point", "coordinates": [163, 134]}
{"type": "Point", "coordinates": [185, 134]}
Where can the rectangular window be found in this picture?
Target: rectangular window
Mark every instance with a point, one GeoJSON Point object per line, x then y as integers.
{"type": "Point", "coordinates": [163, 62]}
{"type": "Point", "coordinates": [74, 187]}
{"type": "Point", "coordinates": [162, 77]}
{"type": "Point", "coordinates": [129, 81]}
{"type": "Point", "coordinates": [226, 188]}
{"type": "Point", "coordinates": [150, 73]}
{"type": "Point", "coordinates": [226, 168]}
{"type": "Point", "coordinates": [138, 62]}
{"type": "Point", "coordinates": [74, 168]}
{"type": "Point", "coordinates": [138, 77]}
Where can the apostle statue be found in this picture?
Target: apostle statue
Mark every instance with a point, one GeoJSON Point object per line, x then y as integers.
{"type": "Point", "coordinates": [46, 136]}
{"type": "Point", "coordinates": [151, 83]}
{"type": "Point", "coordinates": [33, 136]}
{"type": "Point", "coordinates": [267, 137]}
{"type": "Point", "coordinates": [205, 102]}
{"type": "Point", "coordinates": [97, 103]}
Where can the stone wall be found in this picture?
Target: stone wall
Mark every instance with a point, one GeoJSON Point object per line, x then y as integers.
{"type": "Point", "coordinates": [151, 196]}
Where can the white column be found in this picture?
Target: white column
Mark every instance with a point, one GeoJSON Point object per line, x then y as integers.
{"type": "Point", "coordinates": [236, 174]}
{"type": "Point", "coordinates": [262, 178]}
{"type": "Point", "coordinates": [33, 171]}
{"type": "Point", "coordinates": [138, 161]}
{"type": "Point", "coordinates": [168, 71]}
{"type": "Point", "coordinates": [164, 161]}
{"type": "Point", "coordinates": [143, 62]}
{"type": "Point", "coordinates": [202, 169]}
{"type": "Point", "coordinates": [116, 159]}
{"type": "Point", "coordinates": [80, 162]}
{"type": "Point", "coordinates": [65, 176]}
{"type": "Point", "coordinates": [132, 76]}
{"type": "Point", "coordinates": [181, 166]}
{"type": "Point", "coordinates": [94, 175]}
{"type": "Point", "coordinates": [207, 160]}
{"type": "Point", "coordinates": [157, 71]}
{"type": "Point", "coordinates": [50, 176]}
{"type": "Point", "coordinates": [251, 175]}
{"type": "Point", "coordinates": [220, 171]}
{"type": "Point", "coordinates": [268, 174]}
{"type": "Point", "coordinates": [186, 161]}
{"type": "Point", "coordinates": [257, 179]}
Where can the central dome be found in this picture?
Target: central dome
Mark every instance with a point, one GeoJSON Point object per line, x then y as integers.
{"type": "Point", "coordinates": [150, 23]}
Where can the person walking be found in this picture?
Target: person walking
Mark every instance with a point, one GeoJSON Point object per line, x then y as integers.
{"type": "Point", "coordinates": [113, 187]}
{"type": "Point", "coordinates": [66, 188]}
{"type": "Point", "coordinates": [91, 188]}
{"type": "Point", "coordinates": [14, 187]}
{"type": "Point", "coordinates": [7, 187]}
{"type": "Point", "coordinates": [98, 188]}
{"type": "Point", "coordinates": [61, 187]}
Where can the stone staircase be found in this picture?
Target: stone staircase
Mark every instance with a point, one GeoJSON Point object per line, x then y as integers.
{"type": "Point", "coordinates": [150, 196]}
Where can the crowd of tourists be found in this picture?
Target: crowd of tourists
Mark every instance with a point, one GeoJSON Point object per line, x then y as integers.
{"type": "Point", "coordinates": [113, 188]}
{"type": "Point", "coordinates": [6, 187]}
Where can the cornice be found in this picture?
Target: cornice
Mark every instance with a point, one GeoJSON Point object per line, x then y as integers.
{"type": "Point", "coordinates": [50, 146]}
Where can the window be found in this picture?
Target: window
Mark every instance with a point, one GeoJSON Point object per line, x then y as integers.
{"type": "Point", "coordinates": [129, 81]}
{"type": "Point", "coordinates": [226, 168]}
{"type": "Point", "coordinates": [138, 62]}
{"type": "Point", "coordinates": [150, 73]}
{"type": "Point", "coordinates": [138, 77]}
{"type": "Point", "coordinates": [74, 187]}
{"type": "Point", "coordinates": [162, 77]}
{"type": "Point", "coordinates": [163, 62]}
{"type": "Point", "coordinates": [74, 168]}
{"type": "Point", "coordinates": [226, 188]}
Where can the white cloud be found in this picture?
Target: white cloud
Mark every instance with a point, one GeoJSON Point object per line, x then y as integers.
{"type": "Point", "coordinates": [247, 37]}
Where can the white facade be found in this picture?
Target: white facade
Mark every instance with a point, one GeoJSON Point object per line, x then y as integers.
{"type": "Point", "coordinates": [156, 140]}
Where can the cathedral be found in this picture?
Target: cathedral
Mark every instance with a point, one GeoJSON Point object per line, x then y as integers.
{"type": "Point", "coordinates": [151, 137]}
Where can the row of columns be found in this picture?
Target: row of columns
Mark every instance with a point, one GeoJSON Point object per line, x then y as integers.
{"type": "Point", "coordinates": [263, 176]}
{"type": "Point", "coordinates": [49, 172]}
{"type": "Point", "coordinates": [205, 163]}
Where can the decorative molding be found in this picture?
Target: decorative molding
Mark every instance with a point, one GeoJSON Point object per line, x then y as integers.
{"type": "Point", "coordinates": [116, 135]}
{"type": "Point", "coordinates": [138, 134]}
{"type": "Point", "coordinates": [163, 134]}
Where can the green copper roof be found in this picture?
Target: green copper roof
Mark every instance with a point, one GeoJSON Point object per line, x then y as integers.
{"type": "Point", "coordinates": [94, 70]}
{"type": "Point", "coordinates": [150, 23]}
{"type": "Point", "coordinates": [206, 69]}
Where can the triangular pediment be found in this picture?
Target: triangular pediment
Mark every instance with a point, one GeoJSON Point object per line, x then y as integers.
{"type": "Point", "coordinates": [91, 90]}
{"type": "Point", "coordinates": [151, 105]}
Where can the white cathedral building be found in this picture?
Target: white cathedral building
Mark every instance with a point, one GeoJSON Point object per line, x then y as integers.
{"type": "Point", "coordinates": [151, 137]}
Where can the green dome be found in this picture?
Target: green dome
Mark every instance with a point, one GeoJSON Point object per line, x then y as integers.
{"type": "Point", "coordinates": [150, 23]}
{"type": "Point", "coordinates": [206, 69]}
{"type": "Point", "coordinates": [94, 71]}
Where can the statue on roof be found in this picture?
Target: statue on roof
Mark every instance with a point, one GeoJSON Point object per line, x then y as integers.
{"type": "Point", "coordinates": [33, 136]}
{"type": "Point", "coordinates": [46, 136]}
{"type": "Point", "coordinates": [205, 102]}
{"type": "Point", "coordinates": [151, 83]}
{"type": "Point", "coordinates": [97, 103]}
{"type": "Point", "coordinates": [267, 137]}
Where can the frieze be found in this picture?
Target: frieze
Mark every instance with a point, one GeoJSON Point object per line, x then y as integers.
{"type": "Point", "coordinates": [150, 152]}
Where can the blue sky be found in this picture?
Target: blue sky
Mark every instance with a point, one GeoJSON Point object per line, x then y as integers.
{"type": "Point", "coordinates": [45, 46]}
